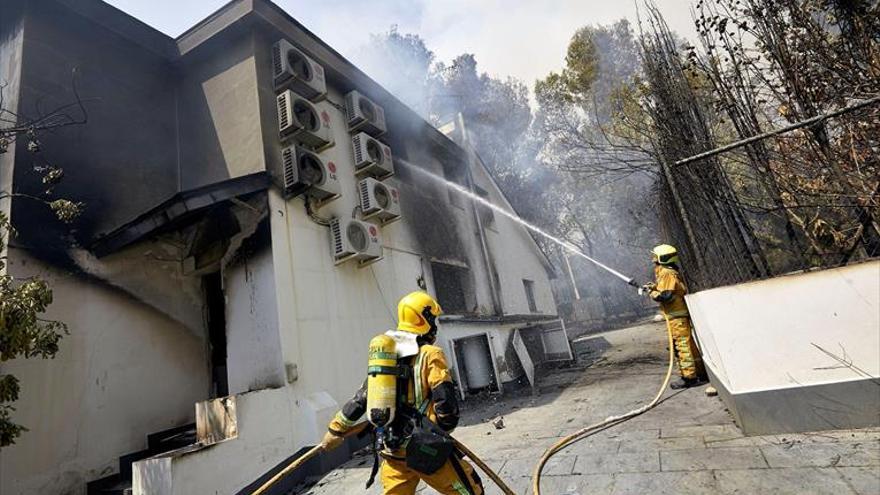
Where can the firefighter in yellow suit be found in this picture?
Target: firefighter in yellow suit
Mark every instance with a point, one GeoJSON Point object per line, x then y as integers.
{"type": "Point", "coordinates": [669, 290]}
{"type": "Point", "coordinates": [431, 388]}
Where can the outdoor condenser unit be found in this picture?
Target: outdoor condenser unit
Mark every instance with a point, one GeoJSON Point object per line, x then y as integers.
{"type": "Point", "coordinates": [305, 172]}
{"type": "Point", "coordinates": [371, 157]}
{"type": "Point", "coordinates": [301, 120]}
{"type": "Point", "coordinates": [379, 200]}
{"type": "Point", "coordinates": [364, 115]}
{"type": "Point", "coordinates": [352, 239]}
{"type": "Point", "coordinates": [294, 69]}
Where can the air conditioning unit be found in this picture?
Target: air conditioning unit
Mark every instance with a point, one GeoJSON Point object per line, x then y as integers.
{"type": "Point", "coordinates": [352, 239]}
{"type": "Point", "coordinates": [305, 172]}
{"type": "Point", "coordinates": [364, 115]}
{"type": "Point", "coordinates": [294, 69]}
{"type": "Point", "coordinates": [371, 157]}
{"type": "Point", "coordinates": [379, 200]}
{"type": "Point", "coordinates": [301, 120]}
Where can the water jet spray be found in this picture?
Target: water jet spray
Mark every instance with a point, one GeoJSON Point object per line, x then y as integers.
{"type": "Point", "coordinates": [516, 218]}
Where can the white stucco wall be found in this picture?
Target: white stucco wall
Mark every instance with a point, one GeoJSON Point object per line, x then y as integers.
{"type": "Point", "coordinates": [149, 272]}
{"type": "Point", "coordinates": [760, 335]}
{"type": "Point", "coordinates": [253, 344]}
{"type": "Point", "coordinates": [124, 371]}
{"type": "Point", "coordinates": [328, 314]}
{"type": "Point", "coordinates": [516, 256]}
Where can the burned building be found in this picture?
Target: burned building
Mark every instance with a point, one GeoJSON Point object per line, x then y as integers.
{"type": "Point", "coordinates": [252, 215]}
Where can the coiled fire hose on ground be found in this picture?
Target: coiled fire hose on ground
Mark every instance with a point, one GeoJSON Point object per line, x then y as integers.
{"type": "Point", "coordinates": [608, 422]}
{"type": "Point", "coordinates": [299, 461]}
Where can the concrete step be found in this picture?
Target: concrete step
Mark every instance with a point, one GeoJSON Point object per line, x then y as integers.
{"type": "Point", "coordinates": [157, 443]}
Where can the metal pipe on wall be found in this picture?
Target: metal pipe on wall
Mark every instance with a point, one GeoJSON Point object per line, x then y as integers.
{"type": "Point", "coordinates": [481, 231]}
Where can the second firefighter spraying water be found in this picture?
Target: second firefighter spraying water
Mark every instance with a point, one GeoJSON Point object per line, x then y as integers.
{"type": "Point", "coordinates": [669, 290]}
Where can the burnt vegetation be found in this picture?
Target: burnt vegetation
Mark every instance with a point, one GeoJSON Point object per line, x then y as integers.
{"type": "Point", "coordinates": [786, 201]}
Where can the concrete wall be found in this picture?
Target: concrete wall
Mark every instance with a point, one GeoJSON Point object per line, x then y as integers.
{"type": "Point", "coordinates": [151, 273]}
{"type": "Point", "coordinates": [326, 313]}
{"type": "Point", "coordinates": [218, 110]}
{"type": "Point", "coordinates": [226, 467]}
{"type": "Point", "coordinates": [322, 306]}
{"type": "Point", "coordinates": [263, 441]}
{"type": "Point", "coordinates": [252, 340]}
{"type": "Point", "coordinates": [124, 371]}
{"type": "Point", "coordinates": [760, 341]}
{"type": "Point", "coordinates": [165, 123]}
{"type": "Point", "coordinates": [516, 256]}
{"type": "Point", "coordinates": [130, 135]}
{"type": "Point", "coordinates": [11, 41]}
{"type": "Point", "coordinates": [441, 222]}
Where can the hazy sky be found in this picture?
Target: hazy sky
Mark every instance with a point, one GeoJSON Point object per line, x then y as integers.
{"type": "Point", "coordinates": [522, 38]}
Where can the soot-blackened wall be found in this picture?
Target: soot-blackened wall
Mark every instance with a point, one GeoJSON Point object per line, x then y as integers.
{"type": "Point", "coordinates": [129, 138]}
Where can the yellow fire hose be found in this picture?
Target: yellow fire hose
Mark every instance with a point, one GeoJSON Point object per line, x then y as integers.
{"type": "Point", "coordinates": [293, 466]}
{"type": "Point", "coordinates": [486, 469]}
{"type": "Point", "coordinates": [610, 421]}
{"type": "Point", "coordinates": [299, 461]}
{"type": "Point", "coordinates": [536, 477]}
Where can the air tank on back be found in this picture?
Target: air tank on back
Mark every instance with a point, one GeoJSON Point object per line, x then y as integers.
{"type": "Point", "coordinates": [382, 381]}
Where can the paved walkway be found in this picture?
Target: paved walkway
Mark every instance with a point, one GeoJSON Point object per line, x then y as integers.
{"type": "Point", "coordinates": [686, 445]}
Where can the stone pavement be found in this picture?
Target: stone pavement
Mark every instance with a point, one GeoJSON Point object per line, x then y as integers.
{"type": "Point", "coordinates": [686, 445]}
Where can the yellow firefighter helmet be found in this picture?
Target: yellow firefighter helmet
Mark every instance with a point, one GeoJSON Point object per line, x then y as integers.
{"type": "Point", "coordinates": [414, 312]}
{"type": "Point", "coordinates": [664, 254]}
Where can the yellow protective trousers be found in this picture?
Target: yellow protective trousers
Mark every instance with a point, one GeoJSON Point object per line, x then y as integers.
{"type": "Point", "coordinates": [690, 363]}
{"type": "Point", "coordinates": [398, 479]}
